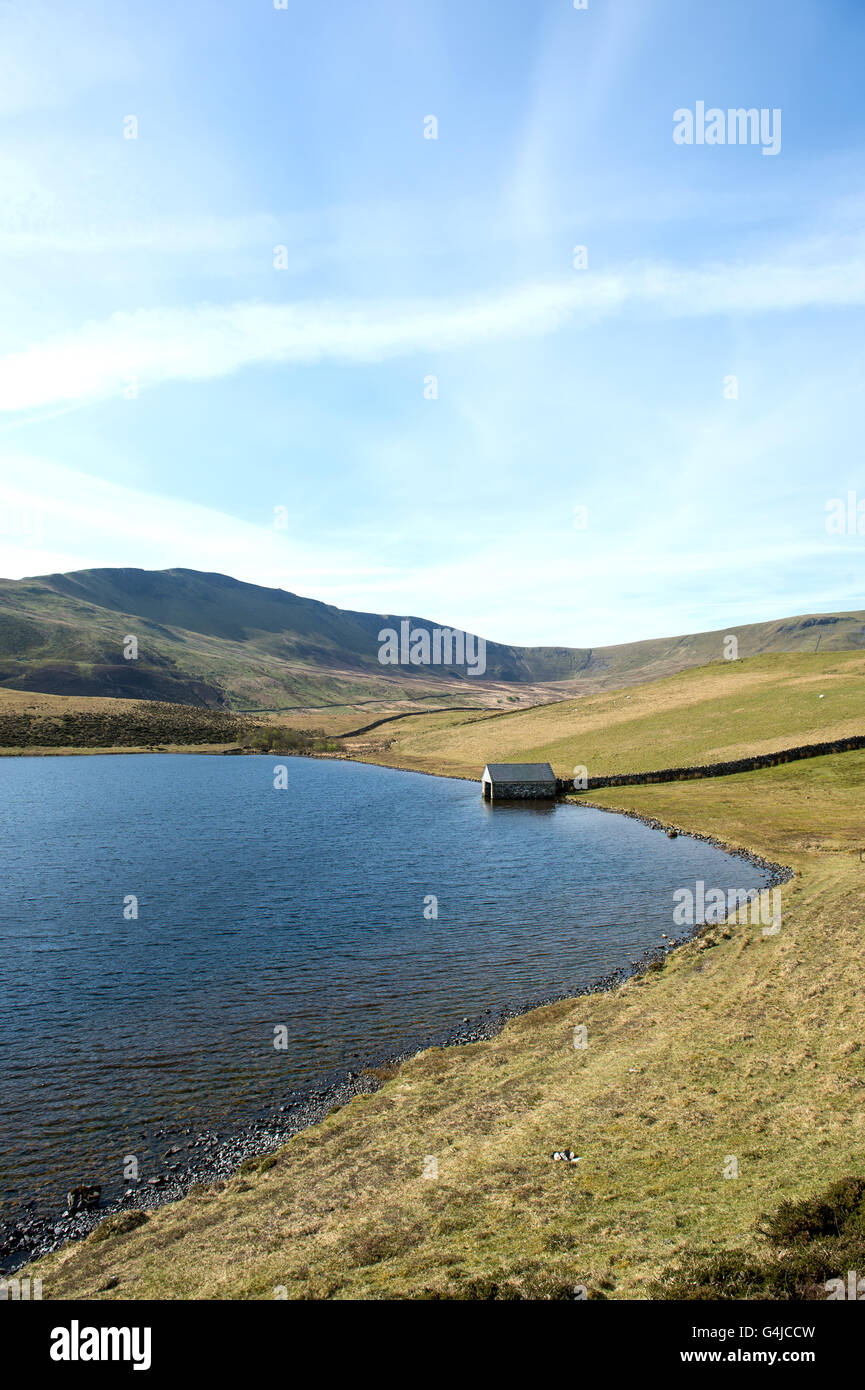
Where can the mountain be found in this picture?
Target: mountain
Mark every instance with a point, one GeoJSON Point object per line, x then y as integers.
{"type": "Point", "coordinates": [207, 639]}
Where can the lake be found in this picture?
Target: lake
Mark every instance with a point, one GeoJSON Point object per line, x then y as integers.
{"type": "Point", "coordinates": [309, 909]}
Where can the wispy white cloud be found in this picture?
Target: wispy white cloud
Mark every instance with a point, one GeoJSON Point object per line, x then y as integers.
{"type": "Point", "coordinates": [210, 341]}
{"type": "Point", "coordinates": [605, 585]}
{"type": "Point", "coordinates": [44, 505]}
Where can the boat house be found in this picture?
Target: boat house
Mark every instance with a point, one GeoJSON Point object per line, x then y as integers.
{"type": "Point", "coordinates": [518, 781]}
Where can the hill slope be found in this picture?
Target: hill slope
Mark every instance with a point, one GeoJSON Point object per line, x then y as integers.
{"type": "Point", "coordinates": [710, 714]}
{"type": "Point", "coordinates": [208, 639]}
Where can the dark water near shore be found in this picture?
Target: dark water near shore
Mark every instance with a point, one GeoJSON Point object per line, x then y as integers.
{"type": "Point", "coordinates": [261, 907]}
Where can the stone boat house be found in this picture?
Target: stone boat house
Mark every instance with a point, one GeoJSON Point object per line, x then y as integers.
{"type": "Point", "coordinates": [518, 781]}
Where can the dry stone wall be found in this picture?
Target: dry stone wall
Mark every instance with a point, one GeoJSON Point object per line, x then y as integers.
{"type": "Point", "coordinates": [684, 774]}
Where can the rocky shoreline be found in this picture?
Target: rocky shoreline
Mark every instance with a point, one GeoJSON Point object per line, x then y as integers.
{"type": "Point", "coordinates": [777, 873]}
{"type": "Point", "coordinates": [207, 1157]}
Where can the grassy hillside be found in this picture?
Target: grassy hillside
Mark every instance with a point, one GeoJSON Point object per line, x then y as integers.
{"type": "Point", "coordinates": [710, 714]}
{"type": "Point", "coordinates": [205, 639]}
{"type": "Point", "coordinates": [739, 1045]}
{"type": "Point", "coordinates": [208, 639]}
{"type": "Point", "coordinates": [650, 660]}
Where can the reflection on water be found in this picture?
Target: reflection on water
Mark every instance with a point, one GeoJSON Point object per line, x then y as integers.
{"type": "Point", "coordinates": [308, 909]}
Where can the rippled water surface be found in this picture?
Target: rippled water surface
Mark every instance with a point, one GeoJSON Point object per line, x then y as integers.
{"type": "Point", "coordinates": [259, 907]}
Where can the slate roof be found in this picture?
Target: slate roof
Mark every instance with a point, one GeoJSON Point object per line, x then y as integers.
{"type": "Point", "coordinates": [520, 772]}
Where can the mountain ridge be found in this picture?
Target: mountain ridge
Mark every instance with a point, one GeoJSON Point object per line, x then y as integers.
{"type": "Point", "coordinates": [210, 639]}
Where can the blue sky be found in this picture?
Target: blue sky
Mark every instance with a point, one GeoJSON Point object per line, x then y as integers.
{"type": "Point", "coordinates": [164, 389]}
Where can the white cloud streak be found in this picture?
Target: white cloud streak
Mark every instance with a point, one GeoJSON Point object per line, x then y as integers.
{"type": "Point", "coordinates": [207, 341]}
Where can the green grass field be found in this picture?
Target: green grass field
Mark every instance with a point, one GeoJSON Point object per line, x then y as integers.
{"type": "Point", "coordinates": [709, 714]}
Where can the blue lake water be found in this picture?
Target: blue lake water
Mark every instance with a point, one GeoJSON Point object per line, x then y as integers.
{"type": "Point", "coordinates": [259, 907]}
